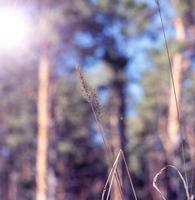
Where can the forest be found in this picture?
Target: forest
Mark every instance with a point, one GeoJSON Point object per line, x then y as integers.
{"type": "Point", "coordinates": [97, 100]}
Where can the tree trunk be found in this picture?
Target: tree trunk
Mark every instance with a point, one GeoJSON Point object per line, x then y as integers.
{"type": "Point", "coordinates": [116, 148]}
{"type": "Point", "coordinates": [179, 68]}
{"type": "Point", "coordinates": [52, 183]}
{"type": "Point", "coordinates": [170, 191]}
{"type": "Point", "coordinates": [5, 169]}
{"type": "Point", "coordinates": [43, 128]}
{"type": "Point", "coordinates": [117, 121]}
{"type": "Point", "coordinates": [13, 186]}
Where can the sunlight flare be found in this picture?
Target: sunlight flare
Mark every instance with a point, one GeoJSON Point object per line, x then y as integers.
{"type": "Point", "coordinates": [14, 28]}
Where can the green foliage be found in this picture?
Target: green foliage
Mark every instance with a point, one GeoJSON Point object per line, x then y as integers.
{"type": "Point", "coordinates": [155, 83]}
{"type": "Point", "coordinates": [184, 7]}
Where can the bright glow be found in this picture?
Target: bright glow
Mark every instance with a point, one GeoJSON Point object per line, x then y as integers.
{"type": "Point", "coordinates": [14, 28]}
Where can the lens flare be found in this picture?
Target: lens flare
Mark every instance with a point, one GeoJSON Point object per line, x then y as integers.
{"type": "Point", "coordinates": [14, 28]}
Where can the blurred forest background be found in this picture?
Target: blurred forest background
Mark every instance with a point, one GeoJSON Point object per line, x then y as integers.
{"type": "Point", "coordinates": [51, 144]}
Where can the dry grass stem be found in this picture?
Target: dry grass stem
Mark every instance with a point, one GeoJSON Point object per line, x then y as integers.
{"type": "Point", "coordinates": [111, 175]}
{"type": "Point", "coordinates": [92, 98]}
{"type": "Point", "coordinates": [181, 177]}
{"type": "Point", "coordinates": [89, 93]}
{"type": "Point", "coordinates": [174, 88]}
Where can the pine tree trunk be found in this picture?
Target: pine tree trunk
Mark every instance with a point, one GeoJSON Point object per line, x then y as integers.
{"type": "Point", "coordinates": [4, 175]}
{"type": "Point", "coordinates": [52, 183]}
{"type": "Point", "coordinates": [13, 186]}
{"type": "Point", "coordinates": [43, 128]}
{"type": "Point", "coordinates": [117, 121]}
{"type": "Point", "coordinates": [179, 68]}
{"type": "Point", "coordinates": [116, 148]}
